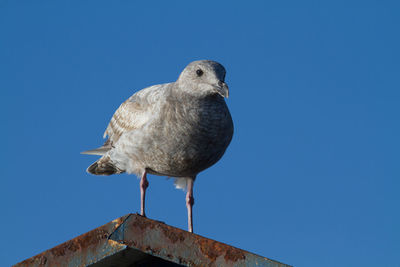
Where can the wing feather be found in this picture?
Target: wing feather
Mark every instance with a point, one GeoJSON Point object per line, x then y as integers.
{"type": "Point", "coordinates": [133, 113]}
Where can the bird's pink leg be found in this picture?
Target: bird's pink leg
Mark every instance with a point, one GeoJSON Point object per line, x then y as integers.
{"type": "Point", "coordinates": [189, 203]}
{"type": "Point", "coordinates": [143, 186]}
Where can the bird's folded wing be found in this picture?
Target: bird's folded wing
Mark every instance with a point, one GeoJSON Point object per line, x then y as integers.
{"type": "Point", "coordinates": [133, 113]}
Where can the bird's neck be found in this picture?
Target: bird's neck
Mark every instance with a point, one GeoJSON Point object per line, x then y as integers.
{"type": "Point", "coordinates": [191, 91]}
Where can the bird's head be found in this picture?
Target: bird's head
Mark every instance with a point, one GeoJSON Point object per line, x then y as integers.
{"type": "Point", "coordinates": [204, 77]}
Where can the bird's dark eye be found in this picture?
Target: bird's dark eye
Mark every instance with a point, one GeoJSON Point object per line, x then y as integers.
{"type": "Point", "coordinates": [199, 72]}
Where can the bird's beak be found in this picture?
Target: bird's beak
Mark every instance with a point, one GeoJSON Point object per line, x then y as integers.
{"type": "Point", "coordinates": [223, 89]}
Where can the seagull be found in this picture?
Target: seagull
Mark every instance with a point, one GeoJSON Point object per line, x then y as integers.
{"type": "Point", "coordinates": [175, 129]}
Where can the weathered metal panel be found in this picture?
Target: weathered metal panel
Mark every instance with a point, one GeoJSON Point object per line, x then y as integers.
{"type": "Point", "coordinates": [182, 247]}
{"type": "Point", "coordinates": [133, 239]}
{"type": "Point", "coordinates": [83, 250]}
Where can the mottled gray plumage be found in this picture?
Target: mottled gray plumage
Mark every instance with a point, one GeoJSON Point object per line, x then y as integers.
{"type": "Point", "coordinates": [176, 129]}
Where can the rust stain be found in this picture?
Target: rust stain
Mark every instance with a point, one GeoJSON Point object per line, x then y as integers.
{"type": "Point", "coordinates": [83, 241]}
{"type": "Point", "coordinates": [143, 223]}
{"type": "Point", "coordinates": [118, 222]}
{"type": "Point", "coordinates": [41, 259]}
{"type": "Point", "coordinates": [69, 247]}
{"type": "Point", "coordinates": [146, 235]}
{"type": "Point", "coordinates": [173, 235]}
{"type": "Point", "coordinates": [234, 255]}
{"type": "Point", "coordinates": [212, 250]}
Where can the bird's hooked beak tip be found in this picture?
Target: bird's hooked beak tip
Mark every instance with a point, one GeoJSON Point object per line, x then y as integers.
{"type": "Point", "coordinates": [223, 89]}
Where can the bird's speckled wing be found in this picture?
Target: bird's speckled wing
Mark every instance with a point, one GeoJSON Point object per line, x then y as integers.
{"type": "Point", "coordinates": [135, 112]}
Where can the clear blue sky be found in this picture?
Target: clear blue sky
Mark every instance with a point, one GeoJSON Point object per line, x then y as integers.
{"type": "Point", "coordinates": [311, 177]}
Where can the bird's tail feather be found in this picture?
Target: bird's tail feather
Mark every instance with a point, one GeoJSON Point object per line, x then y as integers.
{"type": "Point", "coordinates": [101, 151]}
{"type": "Point", "coordinates": [103, 166]}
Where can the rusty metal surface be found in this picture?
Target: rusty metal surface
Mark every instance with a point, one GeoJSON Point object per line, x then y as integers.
{"type": "Point", "coordinates": [133, 239]}
{"type": "Point", "coordinates": [182, 247]}
{"type": "Point", "coordinates": [83, 250]}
